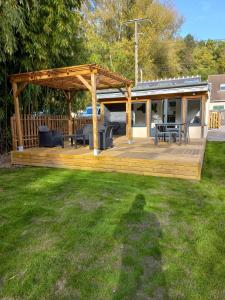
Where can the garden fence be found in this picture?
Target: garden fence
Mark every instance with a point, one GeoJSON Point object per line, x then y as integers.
{"type": "Point", "coordinates": [31, 123]}
{"type": "Point", "coordinates": [214, 120]}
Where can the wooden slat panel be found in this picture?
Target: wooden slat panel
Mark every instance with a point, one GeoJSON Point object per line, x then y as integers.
{"type": "Point", "coordinates": [31, 123]}
{"type": "Point", "coordinates": [214, 120]}
{"type": "Point", "coordinates": [111, 164]}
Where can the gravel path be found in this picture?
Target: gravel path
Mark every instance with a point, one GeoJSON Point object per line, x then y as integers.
{"type": "Point", "coordinates": [5, 161]}
{"type": "Point", "coordinates": [216, 134]}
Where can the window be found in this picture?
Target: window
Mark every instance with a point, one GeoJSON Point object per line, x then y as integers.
{"type": "Point", "coordinates": [222, 87]}
{"type": "Point", "coordinates": [194, 112]}
{"type": "Point", "coordinates": [173, 112]}
{"type": "Point", "coordinates": [139, 114]}
{"type": "Point", "coordinates": [218, 107]}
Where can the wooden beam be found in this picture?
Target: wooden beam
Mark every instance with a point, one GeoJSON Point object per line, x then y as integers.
{"type": "Point", "coordinates": [80, 72]}
{"type": "Point", "coordinates": [129, 115]}
{"type": "Point", "coordinates": [148, 116]}
{"type": "Point", "coordinates": [184, 112]}
{"type": "Point", "coordinates": [49, 74]}
{"type": "Point", "coordinates": [17, 114]}
{"type": "Point", "coordinates": [94, 114]}
{"type": "Point", "coordinates": [84, 81]}
{"type": "Point", "coordinates": [203, 114]}
{"type": "Point", "coordinates": [126, 119]}
{"type": "Point", "coordinates": [102, 110]}
{"type": "Point", "coordinates": [75, 84]}
{"type": "Point", "coordinates": [102, 81]}
{"type": "Point", "coordinates": [66, 93]}
{"type": "Point", "coordinates": [184, 109]}
{"type": "Point", "coordinates": [69, 113]}
{"type": "Point", "coordinates": [114, 76]}
{"type": "Point", "coordinates": [21, 88]}
{"type": "Point", "coordinates": [111, 102]}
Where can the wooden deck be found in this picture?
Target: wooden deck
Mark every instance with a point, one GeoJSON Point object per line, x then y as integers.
{"type": "Point", "coordinates": [141, 157]}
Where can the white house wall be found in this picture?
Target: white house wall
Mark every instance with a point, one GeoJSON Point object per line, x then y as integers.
{"type": "Point", "coordinates": [140, 132]}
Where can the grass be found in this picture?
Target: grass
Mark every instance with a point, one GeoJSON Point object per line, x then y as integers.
{"type": "Point", "coordinates": [86, 235]}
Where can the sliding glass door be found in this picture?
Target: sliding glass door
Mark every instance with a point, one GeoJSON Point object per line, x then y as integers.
{"type": "Point", "coordinates": [173, 113]}
{"type": "Point", "coordinates": [157, 114]}
{"type": "Point", "coordinates": [165, 111]}
{"type": "Point", "coordinates": [139, 127]}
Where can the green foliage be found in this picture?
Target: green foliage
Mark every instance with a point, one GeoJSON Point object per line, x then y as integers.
{"type": "Point", "coordinates": [110, 40]}
{"type": "Point", "coordinates": [37, 35]}
{"type": "Point", "coordinates": [186, 54]}
{"type": "Point", "coordinates": [203, 58]}
{"type": "Point", "coordinates": [52, 34]}
{"type": "Point", "coordinates": [11, 23]}
{"type": "Point", "coordinates": [204, 62]}
{"type": "Point", "coordinates": [162, 53]}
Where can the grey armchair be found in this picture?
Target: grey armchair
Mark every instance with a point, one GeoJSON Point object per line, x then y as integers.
{"type": "Point", "coordinates": [105, 138]}
{"type": "Point", "coordinates": [50, 138]}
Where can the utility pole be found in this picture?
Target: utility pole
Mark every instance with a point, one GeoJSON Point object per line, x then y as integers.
{"type": "Point", "coordinates": [136, 21]}
{"type": "Point", "coordinates": [141, 74]}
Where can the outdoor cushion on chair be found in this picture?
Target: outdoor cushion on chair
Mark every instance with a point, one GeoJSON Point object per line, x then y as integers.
{"type": "Point", "coordinates": [108, 137]}
{"type": "Point", "coordinates": [105, 138]}
{"type": "Point", "coordinates": [88, 129]}
{"type": "Point", "coordinates": [80, 136]}
{"type": "Point", "coordinates": [49, 138]}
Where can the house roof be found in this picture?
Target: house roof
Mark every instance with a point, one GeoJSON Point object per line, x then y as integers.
{"type": "Point", "coordinates": [159, 87]}
{"type": "Point", "coordinates": [170, 82]}
{"type": "Point", "coordinates": [68, 78]}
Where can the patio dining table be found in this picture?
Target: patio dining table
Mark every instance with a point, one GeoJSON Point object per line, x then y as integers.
{"type": "Point", "coordinates": [171, 130]}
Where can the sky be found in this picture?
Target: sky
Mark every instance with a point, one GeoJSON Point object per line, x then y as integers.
{"type": "Point", "coordinates": [204, 19]}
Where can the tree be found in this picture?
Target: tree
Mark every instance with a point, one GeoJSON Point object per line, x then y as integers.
{"type": "Point", "coordinates": [219, 54]}
{"type": "Point", "coordinates": [110, 40]}
{"type": "Point", "coordinates": [208, 58]}
{"type": "Point", "coordinates": [36, 34]}
{"type": "Point", "coordinates": [186, 54]}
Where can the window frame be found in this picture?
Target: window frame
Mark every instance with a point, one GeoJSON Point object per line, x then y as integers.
{"type": "Point", "coordinates": [218, 107]}
{"type": "Point", "coordinates": [223, 87]}
{"type": "Point", "coordinates": [195, 124]}
{"type": "Point", "coordinates": [139, 102]}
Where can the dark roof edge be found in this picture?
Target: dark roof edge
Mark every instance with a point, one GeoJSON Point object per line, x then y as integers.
{"type": "Point", "coordinates": [134, 89]}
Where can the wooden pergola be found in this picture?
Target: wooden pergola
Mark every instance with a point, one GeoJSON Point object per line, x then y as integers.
{"type": "Point", "coordinates": [75, 78]}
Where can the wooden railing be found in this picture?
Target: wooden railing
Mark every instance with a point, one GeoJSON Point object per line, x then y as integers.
{"type": "Point", "coordinates": [31, 123]}
{"type": "Point", "coordinates": [214, 120]}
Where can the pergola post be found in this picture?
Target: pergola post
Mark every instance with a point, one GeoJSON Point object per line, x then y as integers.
{"type": "Point", "coordinates": [184, 109]}
{"type": "Point", "coordinates": [129, 115]}
{"type": "Point", "coordinates": [148, 117]}
{"type": "Point", "coordinates": [69, 114]}
{"type": "Point", "coordinates": [184, 112]}
{"type": "Point", "coordinates": [94, 114]}
{"type": "Point", "coordinates": [203, 121]}
{"type": "Point", "coordinates": [17, 114]}
{"type": "Point", "coordinates": [102, 111]}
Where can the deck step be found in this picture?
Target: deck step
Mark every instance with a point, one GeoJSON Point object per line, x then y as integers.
{"type": "Point", "coordinates": [151, 167]}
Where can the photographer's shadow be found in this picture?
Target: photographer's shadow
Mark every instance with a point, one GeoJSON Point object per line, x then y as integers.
{"type": "Point", "coordinates": [141, 275]}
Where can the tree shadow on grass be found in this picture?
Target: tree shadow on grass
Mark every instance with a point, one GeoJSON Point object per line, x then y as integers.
{"type": "Point", "coordinates": [141, 276]}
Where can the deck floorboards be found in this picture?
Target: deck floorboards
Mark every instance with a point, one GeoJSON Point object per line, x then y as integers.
{"type": "Point", "coordinates": [141, 157]}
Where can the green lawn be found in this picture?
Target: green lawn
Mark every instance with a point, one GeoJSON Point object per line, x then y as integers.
{"type": "Point", "coordinates": [86, 235]}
